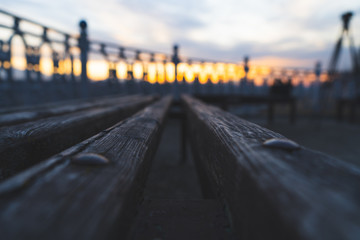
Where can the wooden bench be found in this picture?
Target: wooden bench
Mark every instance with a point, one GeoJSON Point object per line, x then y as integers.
{"type": "Point", "coordinates": [44, 111]}
{"type": "Point", "coordinates": [271, 189]}
{"type": "Point", "coordinates": [224, 101]}
{"type": "Point", "coordinates": [79, 195]}
{"type": "Point", "coordinates": [26, 144]}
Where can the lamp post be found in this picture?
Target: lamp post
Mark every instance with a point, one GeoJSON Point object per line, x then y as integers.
{"type": "Point", "coordinates": [84, 47]}
{"type": "Point", "coordinates": [176, 60]}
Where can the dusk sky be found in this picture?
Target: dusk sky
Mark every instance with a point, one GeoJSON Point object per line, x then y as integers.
{"type": "Point", "coordinates": [278, 32]}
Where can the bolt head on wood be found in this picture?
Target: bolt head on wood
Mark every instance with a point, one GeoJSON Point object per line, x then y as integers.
{"type": "Point", "coordinates": [279, 143]}
{"type": "Point", "coordinates": [92, 159]}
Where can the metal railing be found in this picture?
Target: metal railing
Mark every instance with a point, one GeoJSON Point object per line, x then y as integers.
{"type": "Point", "coordinates": [111, 52]}
{"type": "Point", "coordinates": [74, 50]}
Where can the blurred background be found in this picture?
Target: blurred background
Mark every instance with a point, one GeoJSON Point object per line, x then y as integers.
{"type": "Point", "coordinates": [264, 61]}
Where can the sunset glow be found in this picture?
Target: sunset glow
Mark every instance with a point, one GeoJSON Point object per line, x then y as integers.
{"type": "Point", "coordinates": [138, 70]}
{"type": "Point", "coordinates": [170, 72]}
{"type": "Point", "coordinates": [157, 72]}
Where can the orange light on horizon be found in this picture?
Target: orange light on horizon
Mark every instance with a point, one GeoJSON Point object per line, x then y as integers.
{"type": "Point", "coordinates": [66, 65]}
{"type": "Point", "coordinates": [17, 59]}
{"type": "Point", "coordinates": [121, 70]}
{"type": "Point", "coordinates": [220, 71]}
{"type": "Point", "coordinates": [138, 70]}
{"type": "Point", "coordinates": [240, 72]}
{"type": "Point", "coordinates": [252, 73]}
{"type": "Point", "coordinates": [160, 73]}
{"type": "Point", "coordinates": [203, 75]}
{"type": "Point", "coordinates": [196, 69]}
{"type": "Point", "coordinates": [181, 68]}
{"type": "Point", "coordinates": [46, 66]}
{"type": "Point", "coordinates": [46, 62]}
{"type": "Point", "coordinates": [97, 70]}
{"type": "Point", "coordinates": [231, 72]}
{"type": "Point", "coordinates": [17, 62]}
{"type": "Point", "coordinates": [151, 72]}
{"type": "Point", "coordinates": [309, 79]}
{"type": "Point", "coordinates": [189, 74]}
{"type": "Point", "coordinates": [215, 78]}
{"type": "Point", "coordinates": [61, 68]}
{"type": "Point", "coordinates": [7, 65]}
{"type": "Point", "coordinates": [77, 67]}
{"type": "Point", "coordinates": [258, 81]}
{"type": "Point", "coordinates": [170, 72]}
{"type": "Point", "coordinates": [324, 77]}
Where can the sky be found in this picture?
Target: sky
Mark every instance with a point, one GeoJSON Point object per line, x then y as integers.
{"type": "Point", "coordinates": [273, 33]}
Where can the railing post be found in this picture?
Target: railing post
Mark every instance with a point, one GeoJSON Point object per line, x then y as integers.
{"type": "Point", "coordinates": [84, 47]}
{"type": "Point", "coordinates": [316, 89]}
{"type": "Point", "coordinates": [176, 60]}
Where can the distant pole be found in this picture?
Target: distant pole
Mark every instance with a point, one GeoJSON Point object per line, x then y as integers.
{"type": "Point", "coordinates": [72, 68]}
{"type": "Point", "coordinates": [246, 66]}
{"type": "Point", "coordinates": [316, 88]}
{"type": "Point", "coordinates": [176, 60]}
{"type": "Point", "coordinates": [244, 84]}
{"type": "Point", "coordinates": [84, 47]}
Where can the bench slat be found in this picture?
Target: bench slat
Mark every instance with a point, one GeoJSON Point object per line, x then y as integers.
{"type": "Point", "coordinates": [25, 144]}
{"type": "Point", "coordinates": [57, 199]}
{"type": "Point", "coordinates": [43, 106]}
{"type": "Point", "coordinates": [225, 100]}
{"type": "Point", "coordinates": [272, 193]}
{"type": "Point", "coordinates": [60, 109]}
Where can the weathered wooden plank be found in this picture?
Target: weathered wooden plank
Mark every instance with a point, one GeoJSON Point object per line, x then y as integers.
{"type": "Point", "coordinates": [225, 100]}
{"type": "Point", "coordinates": [25, 144]}
{"type": "Point", "coordinates": [272, 193]}
{"type": "Point", "coordinates": [58, 109]}
{"type": "Point", "coordinates": [57, 199]}
{"type": "Point", "coordinates": [4, 110]}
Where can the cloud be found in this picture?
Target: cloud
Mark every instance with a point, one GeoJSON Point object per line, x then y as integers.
{"type": "Point", "coordinates": [228, 29]}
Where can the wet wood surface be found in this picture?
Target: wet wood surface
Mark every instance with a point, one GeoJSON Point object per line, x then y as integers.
{"type": "Point", "coordinates": [26, 144]}
{"type": "Point", "coordinates": [271, 192]}
{"type": "Point", "coordinates": [58, 199]}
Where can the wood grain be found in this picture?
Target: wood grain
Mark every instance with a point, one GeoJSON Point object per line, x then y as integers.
{"type": "Point", "coordinates": [24, 145]}
{"type": "Point", "coordinates": [272, 193]}
{"type": "Point", "coordinates": [59, 200]}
